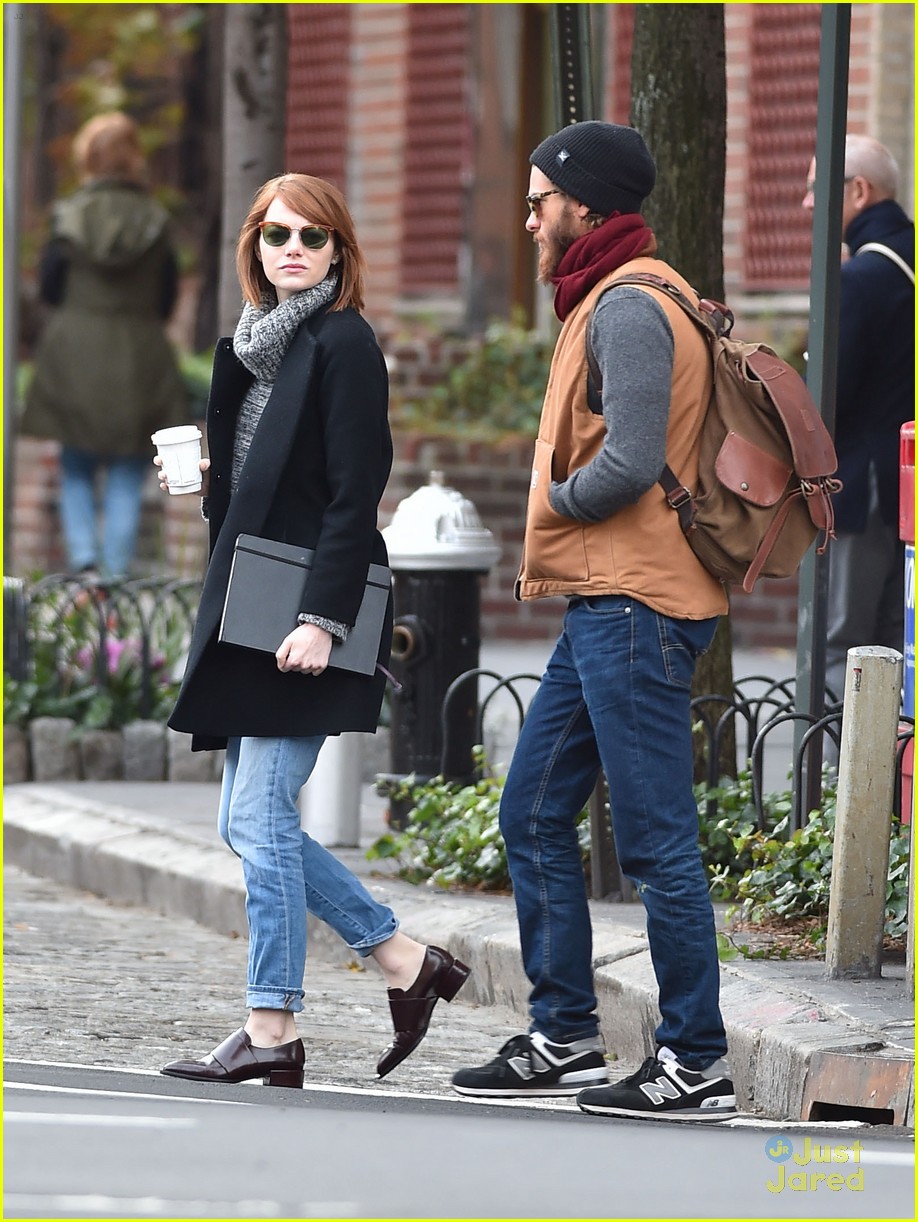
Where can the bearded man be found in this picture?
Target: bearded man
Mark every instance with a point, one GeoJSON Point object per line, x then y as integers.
{"type": "Point", "coordinates": [615, 694]}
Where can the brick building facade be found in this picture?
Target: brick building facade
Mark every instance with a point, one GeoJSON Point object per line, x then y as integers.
{"type": "Point", "coordinates": [425, 114]}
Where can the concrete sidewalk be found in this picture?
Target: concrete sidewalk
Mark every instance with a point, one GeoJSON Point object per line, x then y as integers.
{"type": "Point", "coordinates": [801, 1047]}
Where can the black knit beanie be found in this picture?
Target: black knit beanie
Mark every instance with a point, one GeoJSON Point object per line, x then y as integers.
{"type": "Point", "coordinates": [603, 165]}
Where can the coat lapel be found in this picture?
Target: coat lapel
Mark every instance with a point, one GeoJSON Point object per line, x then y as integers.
{"type": "Point", "coordinates": [260, 476]}
{"type": "Point", "coordinates": [273, 440]}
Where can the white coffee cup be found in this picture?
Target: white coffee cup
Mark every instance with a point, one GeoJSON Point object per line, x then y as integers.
{"type": "Point", "coordinates": [180, 450]}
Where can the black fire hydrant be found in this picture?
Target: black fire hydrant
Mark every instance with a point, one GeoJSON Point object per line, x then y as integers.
{"type": "Point", "coordinates": [438, 551]}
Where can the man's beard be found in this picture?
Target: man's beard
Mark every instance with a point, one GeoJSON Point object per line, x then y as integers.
{"type": "Point", "coordinates": [551, 252]}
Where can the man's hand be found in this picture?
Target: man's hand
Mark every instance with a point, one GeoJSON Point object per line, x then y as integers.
{"type": "Point", "coordinates": [306, 649]}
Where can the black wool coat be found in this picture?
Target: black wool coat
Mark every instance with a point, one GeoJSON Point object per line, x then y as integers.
{"type": "Point", "coordinates": [875, 393]}
{"type": "Point", "coordinates": [313, 476]}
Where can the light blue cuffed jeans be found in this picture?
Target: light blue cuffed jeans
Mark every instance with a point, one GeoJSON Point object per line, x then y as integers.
{"type": "Point", "coordinates": [287, 873]}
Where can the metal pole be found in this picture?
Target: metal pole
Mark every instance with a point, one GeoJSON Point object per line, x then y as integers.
{"type": "Point", "coordinates": [13, 25]}
{"type": "Point", "coordinates": [822, 366]}
{"type": "Point", "coordinates": [572, 63]}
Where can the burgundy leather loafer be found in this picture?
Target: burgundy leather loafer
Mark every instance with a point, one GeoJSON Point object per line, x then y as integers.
{"type": "Point", "coordinates": [440, 976]}
{"type": "Point", "coordinates": [238, 1060]}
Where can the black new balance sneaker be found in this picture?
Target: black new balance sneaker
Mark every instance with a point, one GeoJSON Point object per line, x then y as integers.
{"type": "Point", "coordinates": [663, 1089]}
{"type": "Point", "coordinates": [532, 1065]}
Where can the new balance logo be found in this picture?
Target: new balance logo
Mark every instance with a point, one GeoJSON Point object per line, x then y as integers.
{"type": "Point", "coordinates": [660, 1090]}
{"type": "Point", "coordinates": [521, 1066]}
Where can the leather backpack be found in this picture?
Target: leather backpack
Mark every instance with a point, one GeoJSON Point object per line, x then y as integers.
{"type": "Point", "coordinates": [766, 462]}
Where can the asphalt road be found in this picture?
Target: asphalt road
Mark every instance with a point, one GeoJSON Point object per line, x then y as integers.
{"type": "Point", "coordinates": [98, 996]}
{"type": "Point", "coordinates": [106, 1144]}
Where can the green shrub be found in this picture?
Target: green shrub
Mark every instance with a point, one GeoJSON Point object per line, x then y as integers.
{"type": "Point", "coordinates": [725, 835]}
{"type": "Point", "coordinates": [496, 389]}
{"type": "Point", "coordinates": [196, 368]}
{"type": "Point", "coordinates": [791, 873]}
{"type": "Point", "coordinates": [452, 836]}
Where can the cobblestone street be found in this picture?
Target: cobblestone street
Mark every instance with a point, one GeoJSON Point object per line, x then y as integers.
{"type": "Point", "coordinates": [95, 983]}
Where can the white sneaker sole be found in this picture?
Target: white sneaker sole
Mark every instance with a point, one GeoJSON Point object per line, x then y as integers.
{"type": "Point", "coordinates": [692, 1113]}
{"type": "Point", "coordinates": [581, 1081]}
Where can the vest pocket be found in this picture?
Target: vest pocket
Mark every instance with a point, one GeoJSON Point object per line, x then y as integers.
{"type": "Point", "coordinates": [554, 544]}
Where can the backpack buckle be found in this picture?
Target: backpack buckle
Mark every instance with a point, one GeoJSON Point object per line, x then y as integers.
{"type": "Point", "coordinates": [679, 496]}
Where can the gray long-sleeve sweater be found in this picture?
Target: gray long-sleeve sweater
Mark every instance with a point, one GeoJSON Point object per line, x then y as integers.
{"type": "Point", "coordinates": [633, 343]}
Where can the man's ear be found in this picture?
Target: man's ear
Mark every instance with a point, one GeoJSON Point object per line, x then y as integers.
{"type": "Point", "coordinates": [863, 192]}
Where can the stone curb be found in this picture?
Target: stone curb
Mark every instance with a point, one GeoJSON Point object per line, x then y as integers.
{"type": "Point", "coordinates": [773, 1031]}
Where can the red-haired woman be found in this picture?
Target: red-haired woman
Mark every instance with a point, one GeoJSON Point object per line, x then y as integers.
{"type": "Point", "coordinates": [300, 452]}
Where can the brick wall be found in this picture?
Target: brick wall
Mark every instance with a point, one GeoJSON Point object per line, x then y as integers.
{"type": "Point", "coordinates": [366, 146]}
{"type": "Point", "coordinates": [737, 19]}
{"type": "Point", "coordinates": [376, 147]}
{"type": "Point", "coordinates": [172, 533]}
{"type": "Point", "coordinates": [495, 478]}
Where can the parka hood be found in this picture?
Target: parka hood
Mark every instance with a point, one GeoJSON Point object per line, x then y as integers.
{"type": "Point", "coordinates": [113, 223]}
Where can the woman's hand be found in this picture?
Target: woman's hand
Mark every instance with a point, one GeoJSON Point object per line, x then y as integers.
{"type": "Point", "coordinates": [204, 466]}
{"type": "Point", "coordinates": [306, 649]}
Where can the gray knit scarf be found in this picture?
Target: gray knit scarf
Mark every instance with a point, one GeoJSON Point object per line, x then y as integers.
{"type": "Point", "coordinates": [262, 338]}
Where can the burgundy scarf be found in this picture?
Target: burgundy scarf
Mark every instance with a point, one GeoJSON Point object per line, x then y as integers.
{"type": "Point", "coordinates": [597, 253]}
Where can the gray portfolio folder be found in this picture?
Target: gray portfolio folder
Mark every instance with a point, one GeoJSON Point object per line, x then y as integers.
{"type": "Point", "coordinates": [265, 594]}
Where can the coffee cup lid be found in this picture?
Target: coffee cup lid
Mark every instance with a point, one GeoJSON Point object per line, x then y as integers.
{"type": "Point", "coordinates": [175, 436]}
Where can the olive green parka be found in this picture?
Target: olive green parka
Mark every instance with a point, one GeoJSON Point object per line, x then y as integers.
{"type": "Point", "coordinates": [105, 375]}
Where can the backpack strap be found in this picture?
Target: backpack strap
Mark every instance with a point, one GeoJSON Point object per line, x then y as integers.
{"type": "Point", "coordinates": [879, 249]}
{"type": "Point", "coordinates": [811, 445]}
{"type": "Point", "coordinates": [715, 319]}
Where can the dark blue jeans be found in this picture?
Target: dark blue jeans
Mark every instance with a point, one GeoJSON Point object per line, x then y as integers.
{"type": "Point", "coordinates": [615, 695]}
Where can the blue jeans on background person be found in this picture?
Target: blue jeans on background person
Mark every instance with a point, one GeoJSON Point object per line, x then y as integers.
{"type": "Point", "coordinates": [121, 502]}
{"type": "Point", "coordinates": [615, 695]}
{"type": "Point", "coordinates": [287, 873]}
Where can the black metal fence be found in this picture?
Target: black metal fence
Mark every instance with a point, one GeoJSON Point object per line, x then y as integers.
{"type": "Point", "coordinates": [64, 636]}
{"type": "Point", "coordinates": [66, 639]}
{"type": "Point", "coordinates": [759, 708]}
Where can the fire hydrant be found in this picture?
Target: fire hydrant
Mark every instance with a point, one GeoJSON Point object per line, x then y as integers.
{"type": "Point", "coordinates": [438, 551]}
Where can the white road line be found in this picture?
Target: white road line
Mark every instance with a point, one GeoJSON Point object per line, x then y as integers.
{"type": "Point", "coordinates": [91, 1119]}
{"type": "Point", "coordinates": [887, 1158]}
{"type": "Point", "coordinates": [153, 1073]}
{"type": "Point", "coordinates": [96, 1205]}
{"type": "Point", "coordinates": [565, 1104]}
{"type": "Point", "coordinates": [760, 1122]}
{"type": "Point", "coordinates": [89, 1091]}
{"type": "Point", "coordinates": [556, 1104]}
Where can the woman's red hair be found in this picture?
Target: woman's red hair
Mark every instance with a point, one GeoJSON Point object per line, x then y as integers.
{"type": "Point", "coordinates": [318, 201]}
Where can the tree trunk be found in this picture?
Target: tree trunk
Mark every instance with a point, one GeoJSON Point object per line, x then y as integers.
{"type": "Point", "coordinates": [201, 166]}
{"type": "Point", "coordinates": [254, 105]}
{"type": "Point", "coordinates": [679, 105]}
